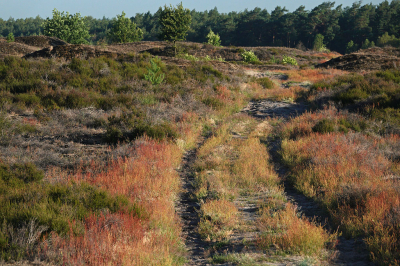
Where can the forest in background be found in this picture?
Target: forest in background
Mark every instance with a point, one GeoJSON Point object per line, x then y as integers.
{"type": "Point", "coordinates": [259, 27]}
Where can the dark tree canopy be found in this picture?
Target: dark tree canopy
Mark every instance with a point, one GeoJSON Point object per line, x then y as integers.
{"type": "Point", "coordinates": [258, 27]}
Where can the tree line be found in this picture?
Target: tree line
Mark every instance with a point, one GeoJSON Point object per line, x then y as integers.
{"type": "Point", "coordinates": [342, 29]}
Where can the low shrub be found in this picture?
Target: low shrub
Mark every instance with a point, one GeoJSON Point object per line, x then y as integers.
{"type": "Point", "coordinates": [218, 219]}
{"type": "Point", "coordinates": [324, 126]}
{"type": "Point", "coordinates": [290, 234]}
{"type": "Point", "coordinates": [213, 102]}
{"type": "Point", "coordinates": [249, 57]}
{"type": "Point", "coordinates": [289, 60]}
{"type": "Point", "coordinates": [60, 208]}
{"type": "Point", "coordinates": [265, 82]}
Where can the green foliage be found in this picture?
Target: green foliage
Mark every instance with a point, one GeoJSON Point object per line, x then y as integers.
{"type": "Point", "coordinates": [18, 174]}
{"type": "Point", "coordinates": [68, 27]}
{"type": "Point", "coordinates": [289, 60]}
{"type": "Point", "coordinates": [249, 57]}
{"type": "Point", "coordinates": [324, 126]}
{"type": "Point", "coordinates": [10, 37]}
{"type": "Point", "coordinates": [192, 57]}
{"type": "Point", "coordinates": [351, 47]}
{"type": "Point", "coordinates": [367, 44]}
{"type": "Point", "coordinates": [213, 102]}
{"type": "Point", "coordinates": [358, 126]}
{"type": "Point", "coordinates": [124, 30]}
{"type": "Point", "coordinates": [154, 75]}
{"type": "Point", "coordinates": [174, 23]}
{"type": "Point", "coordinates": [53, 207]}
{"type": "Point", "coordinates": [130, 127]}
{"type": "Point", "coordinates": [319, 43]}
{"type": "Point", "coordinates": [209, 70]}
{"type": "Point", "coordinates": [387, 39]}
{"type": "Point", "coordinates": [213, 39]}
{"type": "Point", "coordinates": [274, 60]}
{"type": "Point", "coordinates": [338, 25]}
{"type": "Point", "coordinates": [265, 82]}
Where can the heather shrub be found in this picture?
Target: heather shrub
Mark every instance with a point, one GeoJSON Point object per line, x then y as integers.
{"type": "Point", "coordinates": [290, 234]}
{"type": "Point", "coordinates": [130, 127]}
{"type": "Point", "coordinates": [324, 126]}
{"type": "Point", "coordinates": [265, 82]}
{"type": "Point", "coordinates": [61, 208]}
{"type": "Point", "coordinates": [213, 102]}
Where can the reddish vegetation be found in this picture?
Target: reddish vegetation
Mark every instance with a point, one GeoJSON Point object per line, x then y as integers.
{"type": "Point", "coordinates": [149, 180]}
{"type": "Point", "coordinates": [312, 75]}
{"type": "Point", "coordinates": [351, 176]}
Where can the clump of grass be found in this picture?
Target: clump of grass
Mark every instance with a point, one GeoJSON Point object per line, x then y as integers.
{"type": "Point", "coordinates": [218, 218]}
{"type": "Point", "coordinates": [324, 126]}
{"type": "Point", "coordinates": [265, 82]}
{"type": "Point", "coordinates": [290, 234]}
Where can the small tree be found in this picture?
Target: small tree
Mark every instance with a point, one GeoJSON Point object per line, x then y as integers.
{"type": "Point", "coordinates": [68, 27]}
{"type": "Point", "coordinates": [387, 39]}
{"type": "Point", "coordinates": [318, 42]}
{"type": "Point", "coordinates": [175, 23]}
{"type": "Point", "coordinates": [213, 38]}
{"type": "Point", "coordinates": [367, 44]}
{"type": "Point", "coordinates": [10, 37]}
{"type": "Point", "coordinates": [351, 47]}
{"type": "Point", "coordinates": [124, 30]}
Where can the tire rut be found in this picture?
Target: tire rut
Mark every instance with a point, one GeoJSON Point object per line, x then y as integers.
{"type": "Point", "coordinates": [188, 210]}
{"type": "Point", "coordinates": [350, 251]}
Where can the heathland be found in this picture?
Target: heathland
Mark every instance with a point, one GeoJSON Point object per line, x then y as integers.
{"type": "Point", "coordinates": [148, 154]}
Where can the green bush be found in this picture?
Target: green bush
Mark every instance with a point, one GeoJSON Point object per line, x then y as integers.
{"type": "Point", "coordinates": [265, 82]}
{"type": "Point", "coordinates": [213, 102]}
{"type": "Point", "coordinates": [124, 30]}
{"type": "Point", "coordinates": [213, 38]}
{"type": "Point", "coordinates": [10, 37]}
{"type": "Point", "coordinates": [249, 57]}
{"type": "Point", "coordinates": [154, 75]}
{"type": "Point", "coordinates": [67, 27]}
{"type": "Point", "coordinates": [351, 47]}
{"type": "Point", "coordinates": [274, 60]}
{"type": "Point", "coordinates": [130, 127]}
{"type": "Point", "coordinates": [190, 57]}
{"type": "Point", "coordinates": [387, 39]}
{"type": "Point", "coordinates": [324, 126]}
{"type": "Point", "coordinates": [209, 70]}
{"type": "Point", "coordinates": [289, 60]}
{"type": "Point", "coordinates": [18, 174]}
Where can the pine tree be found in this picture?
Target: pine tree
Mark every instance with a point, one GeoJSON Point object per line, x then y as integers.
{"type": "Point", "coordinates": [175, 23]}
{"type": "Point", "coordinates": [68, 27]}
{"type": "Point", "coordinates": [124, 30]}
